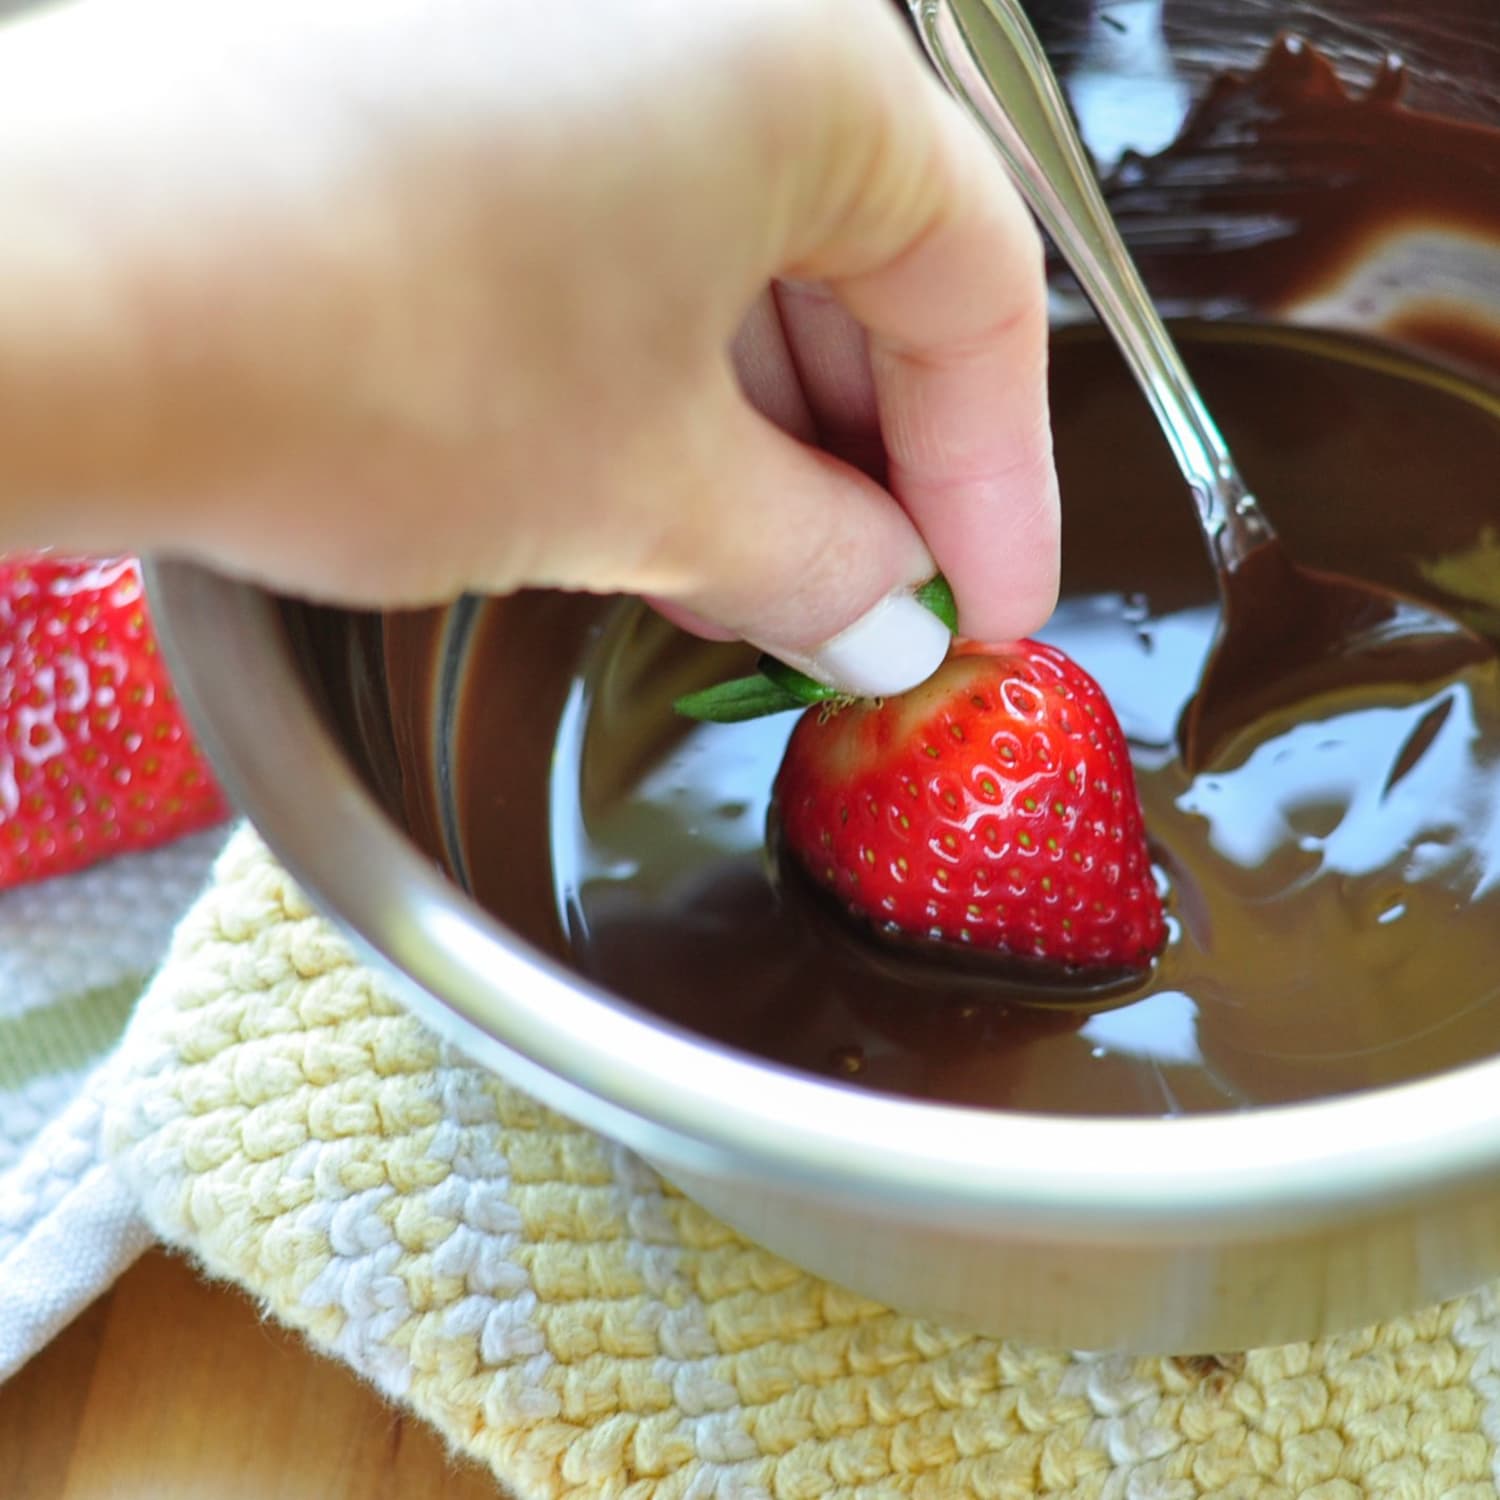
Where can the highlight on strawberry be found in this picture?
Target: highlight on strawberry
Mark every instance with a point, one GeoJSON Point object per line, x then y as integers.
{"type": "Point", "coordinates": [993, 807]}
{"type": "Point", "coordinates": [95, 756]}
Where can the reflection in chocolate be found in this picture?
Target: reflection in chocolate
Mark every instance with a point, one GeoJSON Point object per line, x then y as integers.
{"type": "Point", "coordinates": [1284, 177]}
{"type": "Point", "coordinates": [1451, 48]}
{"type": "Point", "coordinates": [1335, 898]}
{"type": "Point", "coordinates": [1129, 48]}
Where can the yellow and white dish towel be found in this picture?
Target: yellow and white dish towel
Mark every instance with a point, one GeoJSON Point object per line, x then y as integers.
{"type": "Point", "coordinates": [557, 1311]}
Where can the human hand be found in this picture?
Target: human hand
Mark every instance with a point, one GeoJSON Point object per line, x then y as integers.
{"type": "Point", "coordinates": [724, 304]}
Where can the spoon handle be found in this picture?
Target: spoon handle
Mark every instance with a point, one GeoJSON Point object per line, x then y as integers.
{"type": "Point", "coordinates": [990, 58]}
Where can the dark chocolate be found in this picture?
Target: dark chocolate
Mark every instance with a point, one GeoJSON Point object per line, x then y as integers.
{"type": "Point", "coordinates": [1335, 901]}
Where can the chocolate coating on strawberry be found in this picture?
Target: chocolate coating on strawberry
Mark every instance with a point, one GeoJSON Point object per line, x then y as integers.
{"type": "Point", "coordinates": [993, 807]}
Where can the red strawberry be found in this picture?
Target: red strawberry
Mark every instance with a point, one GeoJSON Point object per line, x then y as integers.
{"type": "Point", "coordinates": [94, 756]}
{"type": "Point", "coordinates": [993, 806]}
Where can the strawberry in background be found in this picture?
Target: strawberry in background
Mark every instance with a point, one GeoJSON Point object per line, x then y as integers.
{"type": "Point", "coordinates": [95, 756]}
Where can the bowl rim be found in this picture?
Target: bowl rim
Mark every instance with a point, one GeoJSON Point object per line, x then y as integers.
{"type": "Point", "coordinates": [683, 1098]}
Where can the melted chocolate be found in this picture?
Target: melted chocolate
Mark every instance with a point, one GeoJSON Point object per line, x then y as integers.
{"type": "Point", "coordinates": [1345, 168]}
{"type": "Point", "coordinates": [1290, 635]}
{"type": "Point", "coordinates": [1334, 900]}
{"type": "Point", "coordinates": [1334, 163]}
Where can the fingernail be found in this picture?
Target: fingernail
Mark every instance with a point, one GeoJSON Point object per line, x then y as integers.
{"type": "Point", "coordinates": [893, 647]}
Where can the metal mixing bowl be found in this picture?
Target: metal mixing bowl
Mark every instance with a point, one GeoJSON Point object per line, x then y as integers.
{"type": "Point", "coordinates": [1204, 1233]}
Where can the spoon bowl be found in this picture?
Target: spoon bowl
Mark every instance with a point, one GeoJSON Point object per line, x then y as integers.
{"type": "Point", "coordinates": [1290, 635]}
{"type": "Point", "coordinates": [1287, 633]}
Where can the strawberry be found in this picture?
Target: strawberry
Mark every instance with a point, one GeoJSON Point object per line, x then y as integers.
{"type": "Point", "coordinates": [95, 758]}
{"type": "Point", "coordinates": [993, 806]}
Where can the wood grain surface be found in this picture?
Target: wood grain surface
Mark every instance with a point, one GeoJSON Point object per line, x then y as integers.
{"type": "Point", "coordinates": [170, 1388]}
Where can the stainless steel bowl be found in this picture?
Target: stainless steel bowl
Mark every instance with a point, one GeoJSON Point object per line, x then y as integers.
{"type": "Point", "coordinates": [1205, 1233]}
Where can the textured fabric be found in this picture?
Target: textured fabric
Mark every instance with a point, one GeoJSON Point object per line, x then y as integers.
{"type": "Point", "coordinates": [559, 1312]}
{"type": "Point", "coordinates": [69, 1226]}
{"type": "Point", "coordinates": [89, 931]}
{"type": "Point", "coordinates": [74, 955]}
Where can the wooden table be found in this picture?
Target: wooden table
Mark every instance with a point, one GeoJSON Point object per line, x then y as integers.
{"type": "Point", "coordinates": [172, 1389]}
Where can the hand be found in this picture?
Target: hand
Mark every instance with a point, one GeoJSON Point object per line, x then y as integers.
{"type": "Point", "coordinates": [380, 300]}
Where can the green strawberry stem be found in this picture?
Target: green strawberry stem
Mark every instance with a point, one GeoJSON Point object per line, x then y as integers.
{"type": "Point", "coordinates": [740, 699]}
{"type": "Point", "coordinates": [938, 597]}
{"type": "Point", "coordinates": [776, 688]}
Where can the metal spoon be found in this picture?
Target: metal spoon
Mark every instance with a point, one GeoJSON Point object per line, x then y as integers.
{"type": "Point", "coordinates": [1286, 632]}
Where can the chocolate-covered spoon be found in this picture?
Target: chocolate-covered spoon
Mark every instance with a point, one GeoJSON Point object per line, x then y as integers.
{"type": "Point", "coordinates": [1286, 632]}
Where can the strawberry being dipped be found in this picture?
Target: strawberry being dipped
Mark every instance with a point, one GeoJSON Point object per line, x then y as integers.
{"type": "Point", "coordinates": [95, 758]}
{"type": "Point", "coordinates": [993, 807]}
